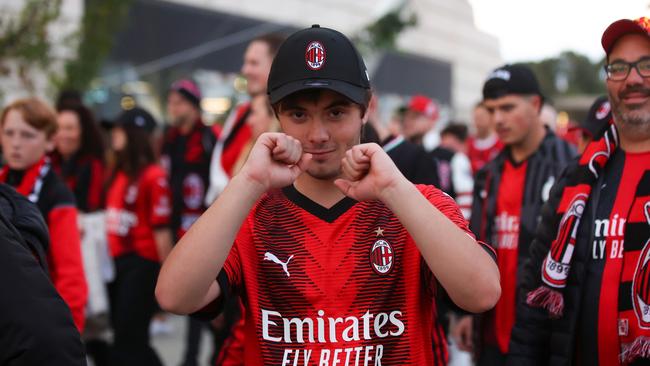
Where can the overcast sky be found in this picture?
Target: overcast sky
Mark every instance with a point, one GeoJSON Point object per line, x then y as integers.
{"type": "Point", "coordinates": [531, 30]}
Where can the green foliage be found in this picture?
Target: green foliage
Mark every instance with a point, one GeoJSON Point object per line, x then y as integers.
{"type": "Point", "coordinates": [383, 33]}
{"type": "Point", "coordinates": [101, 20]}
{"type": "Point", "coordinates": [24, 38]}
{"type": "Point", "coordinates": [569, 74]}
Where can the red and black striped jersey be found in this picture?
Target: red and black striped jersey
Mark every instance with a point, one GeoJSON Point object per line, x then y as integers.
{"type": "Point", "coordinates": [339, 286]}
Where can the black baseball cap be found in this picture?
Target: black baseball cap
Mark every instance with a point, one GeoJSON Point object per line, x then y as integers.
{"type": "Point", "coordinates": [136, 117]}
{"type": "Point", "coordinates": [318, 58]}
{"type": "Point", "coordinates": [511, 79]}
{"type": "Point", "coordinates": [598, 117]}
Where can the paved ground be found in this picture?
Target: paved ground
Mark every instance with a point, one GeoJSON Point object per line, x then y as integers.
{"type": "Point", "coordinates": [170, 347]}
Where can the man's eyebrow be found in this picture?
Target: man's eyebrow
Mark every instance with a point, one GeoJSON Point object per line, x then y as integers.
{"type": "Point", "coordinates": [292, 106]}
{"type": "Point", "coordinates": [339, 103]}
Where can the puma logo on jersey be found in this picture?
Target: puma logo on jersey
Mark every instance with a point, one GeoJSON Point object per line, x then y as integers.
{"type": "Point", "coordinates": [268, 256]}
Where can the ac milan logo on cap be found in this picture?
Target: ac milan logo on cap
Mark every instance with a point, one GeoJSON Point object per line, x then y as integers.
{"type": "Point", "coordinates": [603, 110]}
{"type": "Point", "coordinates": [382, 257]}
{"type": "Point", "coordinates": [315, 55]}
{"type": "Point", "coordinates": [640, 284]}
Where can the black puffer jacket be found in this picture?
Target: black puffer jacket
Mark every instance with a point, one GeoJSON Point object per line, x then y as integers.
{"type": "Point", "coordinates": [36, 324]}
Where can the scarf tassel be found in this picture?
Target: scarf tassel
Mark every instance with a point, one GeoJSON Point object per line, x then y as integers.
{"type": "Point", "coordinates": [547, 298]}
{"type": "Point", "coordinates": [640, 348]}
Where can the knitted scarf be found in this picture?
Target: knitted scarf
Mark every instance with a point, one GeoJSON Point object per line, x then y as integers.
{"type": "Point", "coordinates": [32, 181]}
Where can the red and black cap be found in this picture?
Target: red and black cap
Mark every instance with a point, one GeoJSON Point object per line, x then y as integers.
{"type": "Point", "coordinates": [424, 105]}
{"type": "Point", "coordinates": [622, 27]}
{"type": "Point", "coordinates": [318, 58]}
{"type": "Point", "coordinates": [511, 79]}
{"type": "Point", "coordinates": [598, 117]}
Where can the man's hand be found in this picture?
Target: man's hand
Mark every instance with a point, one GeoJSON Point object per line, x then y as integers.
{"type": "Point", "coordinates": [275, 161]}
{"type": "Point", "coordinates": [462, 332]}
{"type": "Point", "coordinates": [368, 173]}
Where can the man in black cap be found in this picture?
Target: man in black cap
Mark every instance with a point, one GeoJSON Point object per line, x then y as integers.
{"type": "Point", "coordinates": [598, 117]}
{"type": "Point", "coordinates": [508, 195]}
{"type": "Point", "coordinates": [585, 290]}
{"type": "Point", "coordinates": [335, 253]}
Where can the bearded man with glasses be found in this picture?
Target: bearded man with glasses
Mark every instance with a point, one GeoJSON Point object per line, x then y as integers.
{"type": "Point", "coordinates": [585, 296]}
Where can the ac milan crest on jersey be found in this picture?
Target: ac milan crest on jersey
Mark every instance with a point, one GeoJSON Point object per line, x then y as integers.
{"type": "Point", "coordinates": [315, 55]}
{"type": "Point", "coordinates": [641, 282]}
{"type": "Point", "coordinates": [382, 257]}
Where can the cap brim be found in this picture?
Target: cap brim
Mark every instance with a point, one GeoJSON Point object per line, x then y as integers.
{"type": "Point", "coordinates": [355, 93]}
{"type": "Point", "coordinates": [618, 29]}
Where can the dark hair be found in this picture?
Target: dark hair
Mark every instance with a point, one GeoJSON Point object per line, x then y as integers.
{"type": "Point", "coordinates": [272, 40]}
{"type": "Point", "coordinates": [313, 95]}
{"type": "Point", "coordinates": [91, 143]}
{"type": "Point", "coordinates": [457, 130]}
{"type": "Point", "coordinates": [35, 112]}
{"type": "Point", "coordinates": [136, 155]}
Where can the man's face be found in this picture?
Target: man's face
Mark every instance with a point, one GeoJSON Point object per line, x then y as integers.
{"type": "Point", "coordinates": [630, 97]}
{"type": "Point", "coordinates": [416, 124]}
{"type": "Point", "coordinates": [180, 109]}
{"type": "Point", "coordinates": [22, 145]}
{"type": "Point", "coordinates": [257, 64]}
{"type": "Point", "coordinates": [514, 117]}
{"type": "Point", "coordinates": [482, 122]}
{"type": "Point", "coordinates": [326, 128]}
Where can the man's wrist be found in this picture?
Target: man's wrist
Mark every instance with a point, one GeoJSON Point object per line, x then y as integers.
{"type": "Point", "coordinates": [396, 192]}
{"type": "Point", "coordinates": [244, 183]}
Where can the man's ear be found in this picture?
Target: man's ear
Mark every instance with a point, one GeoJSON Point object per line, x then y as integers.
{"type": "Point", "coordinates": [537, 102]}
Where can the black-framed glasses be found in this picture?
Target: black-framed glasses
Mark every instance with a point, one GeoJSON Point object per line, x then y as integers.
{"type": "Point", "coordinates": [619, 70]}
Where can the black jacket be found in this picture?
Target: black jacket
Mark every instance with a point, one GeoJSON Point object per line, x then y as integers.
{"type": "Point", "coordinates": [531, 342]}
{"type": "Point", "coordinates": [36, 324]}
{"type": "Point", "coordinates": [544, 167]}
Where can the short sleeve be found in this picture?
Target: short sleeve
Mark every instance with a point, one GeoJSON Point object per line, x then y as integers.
{"type": "Point", "coordinates": [445, 204]}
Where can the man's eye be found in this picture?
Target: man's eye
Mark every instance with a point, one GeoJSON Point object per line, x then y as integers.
{"type": "Point", "coordinates": [618, 67]}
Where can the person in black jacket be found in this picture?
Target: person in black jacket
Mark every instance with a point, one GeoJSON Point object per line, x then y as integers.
{"type": "Point", "coordinates": [508, 195]}
{"type": "Point", "coordinates": [37, 326]}
{"type": "Point", "coordinates": [583, 296]}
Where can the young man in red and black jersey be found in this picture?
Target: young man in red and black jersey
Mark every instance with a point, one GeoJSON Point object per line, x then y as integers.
{"type": "Point", "coordinates": [508, 196]}
{"type": "Point", "coordinates": [237, 133]}
{"type": "Point", "coordinates": [585, 295]}
{"type": "Point", "coordinates": [336, 255]}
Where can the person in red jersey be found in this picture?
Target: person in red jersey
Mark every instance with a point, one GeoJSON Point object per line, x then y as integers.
{"type": "Point", "coordinates": [138, 210]}
{"type": "Point", "coordinates": [509, 193]}
{"type": "Point", "coordinates": [484, 145]}
{"type": "Point", "coordinates": [28, 126]}
{"type": "Point", "coordinates": [585, 291]}
{"type": "Point", "coordinates": [336, 254]}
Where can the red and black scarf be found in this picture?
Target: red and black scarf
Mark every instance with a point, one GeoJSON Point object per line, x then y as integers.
{"type": "Point", "coordinates": [32, 181]}
{"type": "Point", "coordinates": [556, 266]}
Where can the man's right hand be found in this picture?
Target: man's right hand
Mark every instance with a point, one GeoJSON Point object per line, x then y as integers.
{"type": "Point", "coordinates": [275, 161]}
